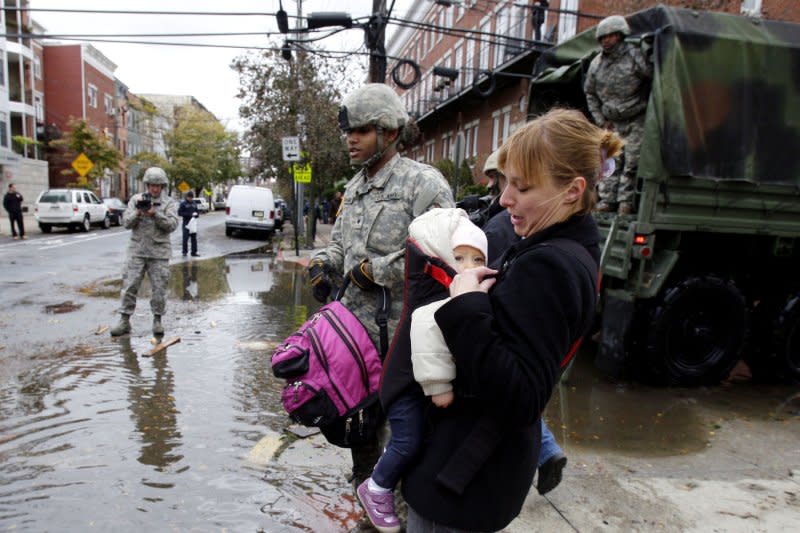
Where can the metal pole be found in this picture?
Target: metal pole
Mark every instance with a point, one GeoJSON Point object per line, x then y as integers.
{"type": "Point", "coordinates": [377, 56]}
{"type": "Point", "coordinates": [298, 187]}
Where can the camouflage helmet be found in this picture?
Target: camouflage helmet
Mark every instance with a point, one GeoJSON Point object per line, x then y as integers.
{"type": "Point", "coordinates": [612, 24]}
{"type": "Point", "coordinates": [373, 104]}
{"type": "Point", "coordinates": [491, 163]}
{"type": "Point", "coordinates": [155, 175]}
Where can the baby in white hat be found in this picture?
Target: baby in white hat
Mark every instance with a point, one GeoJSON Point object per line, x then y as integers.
{"type": "Point", "coordinates": [448, 235]}
{"type": "Point", "coordinates": [434, 368]}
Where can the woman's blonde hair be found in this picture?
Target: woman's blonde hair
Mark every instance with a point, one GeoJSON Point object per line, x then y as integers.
{"type": "Point", "coordinates": [561, 144]}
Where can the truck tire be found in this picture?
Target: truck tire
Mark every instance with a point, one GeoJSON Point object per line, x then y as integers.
{"type": "Point", "coordinates": [696, 333]}
{"type": "Point", "coordinates": [86, 225]}
{"type": "Point", "coordinates": [46, 228]}
{"type": "Point", "coordinates": [786, 340]}
{"type": "Point", "coordinates": [774, 354]}
{"type": "Point", "coordinates": [228, 231]}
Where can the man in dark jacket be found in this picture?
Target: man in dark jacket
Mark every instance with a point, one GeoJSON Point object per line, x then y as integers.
{"type": "Point", "coordinates": [12, 201]}
{"type": "Point", "coordinates": [188, 211]}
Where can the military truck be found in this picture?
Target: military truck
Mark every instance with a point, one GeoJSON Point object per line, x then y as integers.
{"type": "Point", "coordinates": [707, 272]}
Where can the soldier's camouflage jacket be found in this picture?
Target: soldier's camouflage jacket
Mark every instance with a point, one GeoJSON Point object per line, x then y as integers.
{"type": "Point", "coordinates": [373, 223]}
{"type": "Point", "coordinates": [617, 84]}
{"type": "Point", "coordinates": [150, 235]}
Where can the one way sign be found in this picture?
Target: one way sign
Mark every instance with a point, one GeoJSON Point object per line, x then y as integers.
{"type": "Point", "coordinates": [291, 148]}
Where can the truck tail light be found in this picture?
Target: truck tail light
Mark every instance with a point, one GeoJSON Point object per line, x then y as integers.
{"type": "Point", "coordinates": [643, 240]}
{"type": "Point", "coordinates": [227, 210]}
{"type": "Point", "coordinates": [74, 208]}
{"type": "Point", "coordinates": [272, 214]}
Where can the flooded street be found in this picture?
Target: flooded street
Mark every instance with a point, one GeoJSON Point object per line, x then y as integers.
{"type": "Point", "coordinates": [98, 435]}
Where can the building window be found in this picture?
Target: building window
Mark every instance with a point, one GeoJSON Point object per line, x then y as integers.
{"type": "Point", "coordinates": [475, 139]}
{"type": "Point", "coordinates": [567, 22]}
{"type": "Point", "coordinates": [469, 60]}
{"type": "Point", "coordinates": [108, 104]}
{"type": "Point", "coordinates": [495, 130]}
{"type": "Point", "coordinates": [448, 17]}
{"type": "Point", "coordinates": [485, 29]}
{"type": "Point", "coordinates": [429, 148]}
{"type": "Point", "coordinates": [38, 108]}
{"type": "Point", "coordinates": [751, 7]}
{"type": "Point", "coordinates": [471, 139]}
{"type": "Point", "coordinates": [92, 96]}
{"type": "Point", "coordinates": [458, 64]}
{"type": "Point", "coordinates": [3, 129]}
{"type": "Point", "coordinates": [501, 28]}
{"type": "Point", "coordinates": [506, 123]}
{"type": "Point", "coordinates": [2, 68]}
{"type": "Point", "coordinates": [37, 67]}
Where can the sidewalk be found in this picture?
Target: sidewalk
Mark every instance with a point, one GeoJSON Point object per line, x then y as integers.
{"type": "Point", "coordinates": [28, 219]}
{"type": "Point", "coordinates": [286, 248]}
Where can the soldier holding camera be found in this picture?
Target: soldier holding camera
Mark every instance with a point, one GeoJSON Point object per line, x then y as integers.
{"type": "Point", "coordinates": [151, 216]}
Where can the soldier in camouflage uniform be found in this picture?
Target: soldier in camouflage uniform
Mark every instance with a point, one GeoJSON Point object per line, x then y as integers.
{"type": "Point", "coordinates": [369, 236]}
{"type": "Point", "coordinates": [617, 88]}
{"type": "Point", "coordinates": [149, 250]}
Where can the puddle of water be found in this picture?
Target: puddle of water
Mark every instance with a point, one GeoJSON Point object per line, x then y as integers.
{"type": "Point", "coordinates": [633, 419]}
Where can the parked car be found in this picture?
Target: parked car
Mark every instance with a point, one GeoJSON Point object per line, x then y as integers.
{"type": "Point", "coordinates": [280, 212]}
{"type": "Point", "coordinates": [250, 208]}
{"type": "Point", "coordinates": [219, 202]}
{"type": "Point", "coordinates": [116, 208]}
{"type": "Point", "coordinates": [202, 204]}
{"type": "Point", "coordinates": [70, 208]}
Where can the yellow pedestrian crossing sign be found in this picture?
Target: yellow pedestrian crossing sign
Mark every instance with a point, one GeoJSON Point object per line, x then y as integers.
{"type": "Point", "coordinates": [302, 173]}
{"type": "Point", "coordinates": [183, 187]}
{"type": "Point", "coordinates": [82, 165]}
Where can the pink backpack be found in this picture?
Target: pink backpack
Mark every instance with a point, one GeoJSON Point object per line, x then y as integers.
{"type": "Point", "coordinates": [332, 371]}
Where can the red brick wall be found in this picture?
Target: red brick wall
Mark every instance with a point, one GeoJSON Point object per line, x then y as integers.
{"type": "Point", "coordinates": [97, 116]}
{"type": "Point", "coordinates": [63, 93]}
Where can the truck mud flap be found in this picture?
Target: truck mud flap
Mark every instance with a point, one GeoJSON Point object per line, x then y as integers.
{"type": "Point", "coordinates": [611, 358]}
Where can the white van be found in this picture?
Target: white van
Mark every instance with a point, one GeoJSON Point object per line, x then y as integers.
{"type": "Point", "coordinates": [249, 208]}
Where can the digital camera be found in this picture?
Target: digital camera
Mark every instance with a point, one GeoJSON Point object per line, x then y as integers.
{"type": "Point", "coordinates": [146, 202]}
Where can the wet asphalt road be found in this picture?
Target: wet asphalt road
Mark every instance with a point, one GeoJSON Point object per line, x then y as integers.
{"type": "Point", "coordinates": [95, 434]}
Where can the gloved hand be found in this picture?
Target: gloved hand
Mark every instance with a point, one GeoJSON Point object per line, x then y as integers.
{"type": "Point", "coordinates": [320, 284]}
{"type": "Point", "coordinates": [361, 275]}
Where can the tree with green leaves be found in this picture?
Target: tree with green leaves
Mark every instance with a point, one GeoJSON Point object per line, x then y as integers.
{"type": "Point", "coordinates": [295, 98]}
{"type": "Point", "coordinates": [83, 138]}
{"type": "Point", "coordinates": [201, 152]}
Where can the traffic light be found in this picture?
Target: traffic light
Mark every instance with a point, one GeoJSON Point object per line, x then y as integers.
{"type": "Point", "coordinates": [283, 20]}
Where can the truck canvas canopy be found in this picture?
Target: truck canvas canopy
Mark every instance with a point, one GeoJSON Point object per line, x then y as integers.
{"type": "Point", "coordinates": [725, 98]}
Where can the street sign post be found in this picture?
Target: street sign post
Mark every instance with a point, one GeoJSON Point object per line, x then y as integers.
{"type": "Point", "coordinates": [302, 173]}
{"type": "Point", "coordinates": [291, 148]}
{"type": "Point", "coordinates": [82, 165]}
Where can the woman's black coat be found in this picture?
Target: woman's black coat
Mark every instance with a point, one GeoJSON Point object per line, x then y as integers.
{"type": "Point", "coordinates": [480, 454]}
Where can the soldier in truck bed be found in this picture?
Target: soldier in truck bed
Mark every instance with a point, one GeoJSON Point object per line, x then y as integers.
{"type": "Point", "coordinates": [617, 88]}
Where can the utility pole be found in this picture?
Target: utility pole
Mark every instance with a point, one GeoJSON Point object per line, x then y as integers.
{"type": "Point", "coordinates": [376, 39]}
{"type": "Point", "coordinates": [299, 189]}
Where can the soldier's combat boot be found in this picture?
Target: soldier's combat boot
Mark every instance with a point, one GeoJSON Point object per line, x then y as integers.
{"type": "Point", "coordinates": [158, 329]}
{"type": "Point", "coordinates": [122, 327]}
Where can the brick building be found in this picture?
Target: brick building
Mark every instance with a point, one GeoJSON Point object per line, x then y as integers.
{"type": "Point", "coordinates": [79, 84]}
{"type": "Point", "coordinates": [21, 103]}
{"type": "Point", "coordinates": [474, 59]}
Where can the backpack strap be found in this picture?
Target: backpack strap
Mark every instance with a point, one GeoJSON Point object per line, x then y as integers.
{"type": "Point", "coordinates": [383, 304]}
{"type": "Point", "coordinates": [438, 273]}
